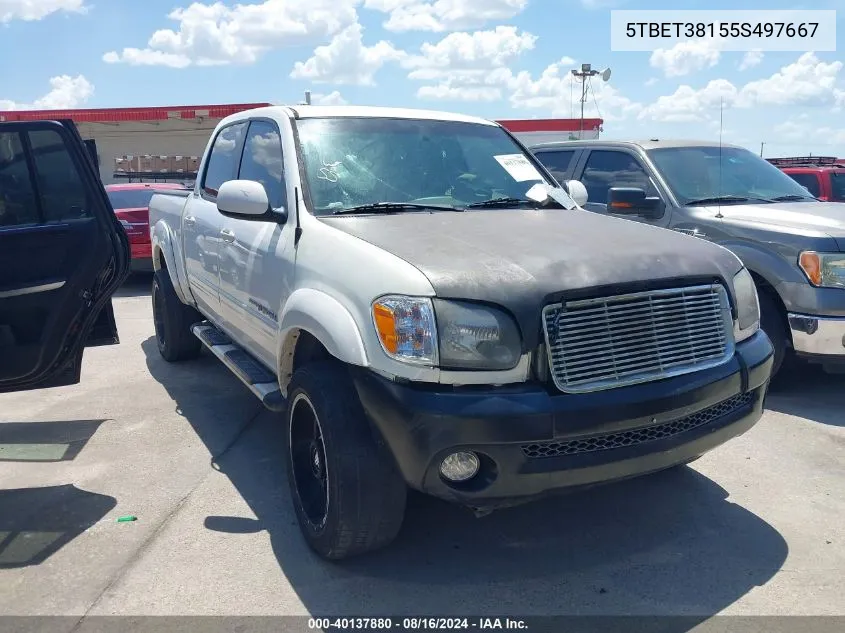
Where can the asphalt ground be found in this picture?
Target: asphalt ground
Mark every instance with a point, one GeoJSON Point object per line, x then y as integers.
{"type": "Point", "coordinates": [753, 528]}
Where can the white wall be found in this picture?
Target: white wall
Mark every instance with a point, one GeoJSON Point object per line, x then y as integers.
{"type": "Point", "coordinates": [174, 137]}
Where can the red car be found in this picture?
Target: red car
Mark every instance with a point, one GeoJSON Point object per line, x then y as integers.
{"type": "Point", "coordinates": [822, 176]}
{"type": "Point", "coordinates": [131, 206]}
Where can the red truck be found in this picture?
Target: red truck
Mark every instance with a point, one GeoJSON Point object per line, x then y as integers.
{"type": "Point", "coordinates": [822, 176]}
{"type": "Point", "coordinates": [131, 206]}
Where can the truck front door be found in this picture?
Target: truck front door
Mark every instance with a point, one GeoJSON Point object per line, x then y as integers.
{"type": "Point", "coordinates": [257, 256]}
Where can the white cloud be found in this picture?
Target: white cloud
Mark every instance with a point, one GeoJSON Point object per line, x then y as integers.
{"type": "Point", "coordinates": [651, 82]}
{"type": "Point", "coordinates": [686, 57]}
{"type": "Point", "coordinates": [345, 60]}
{"type": "Point", "coordinates": [333, 98]}
{"type": "Point", "coordinates": [751, 59]}
{"type": "Point", "coordinates": [30, 10]}
{"type": "Point", "coordinates": [556, 93]}
{"type": "Point", "coordinates": [215, 34]}
{"type": "Point", "coordinates": [469, 66]}
{"type": "Point", "coordinates": [65, 92]}
{"type": "Point", "coordinates": [802, 130]}
{"type": "Point", "coordinates": [444, 15]}
{"type": "Point", "coordinates": [807, 81]}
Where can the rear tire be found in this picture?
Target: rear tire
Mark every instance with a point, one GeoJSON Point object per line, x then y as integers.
{"type": "Point", "coordinates": [772, 323]}
{"type": "Point", "coordinates": [173, 320]}
{"type": "Point", "coordinates": [348, 496]}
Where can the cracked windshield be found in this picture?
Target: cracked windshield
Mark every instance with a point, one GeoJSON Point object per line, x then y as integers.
{"type": "Point", "coordinates": [351, 162]}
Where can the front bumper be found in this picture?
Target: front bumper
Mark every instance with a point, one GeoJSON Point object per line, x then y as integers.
{"type": "Point", "coordinates": [818, 338]}
{"type": "Point", "coordinates": [532, 441]}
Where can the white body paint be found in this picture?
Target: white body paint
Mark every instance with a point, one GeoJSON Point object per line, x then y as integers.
{"type": "Point", "coordinates": [251, 281]}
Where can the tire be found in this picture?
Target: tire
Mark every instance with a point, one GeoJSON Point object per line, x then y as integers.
{"type": "Point", "coordinates": [772, 323]}
{"type": "Point", "coordinates": [348, 495]}
{"type": "Point", "coordinates": [173, 320]}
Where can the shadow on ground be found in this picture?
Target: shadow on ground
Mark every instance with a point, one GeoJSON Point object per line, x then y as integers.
{"type": "Point", "coordinates": [670, 543]}
{"type": "Point", "coordinates": [45, 441]}
{"type": "Point", "coordinates": [136, 285]}
{"type": "Point", "coordinates": [806, 391]}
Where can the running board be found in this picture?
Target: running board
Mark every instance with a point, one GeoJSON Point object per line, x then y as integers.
{"type": "Point", "coordinates": [252, 373]}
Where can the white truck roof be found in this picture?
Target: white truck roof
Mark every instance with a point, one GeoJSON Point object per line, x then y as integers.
{"type": "Point", "coordinates": [313, 112]}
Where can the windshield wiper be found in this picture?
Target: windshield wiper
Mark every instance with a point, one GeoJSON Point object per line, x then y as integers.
{"type": "Point", "coordinates": [499, 202]}
{"type": "Point", "coordinates": [387, 207]}
{"type": "Point", "coordinates": [718, 199]}
{"type": "Point", "coordinates": [792, 197]}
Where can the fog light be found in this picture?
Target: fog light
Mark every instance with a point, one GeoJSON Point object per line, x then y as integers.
{"type": "Point", "coordinates": [460, 466]}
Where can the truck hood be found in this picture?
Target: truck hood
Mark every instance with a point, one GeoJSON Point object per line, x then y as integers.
{"type": "Point", "coordinates": [813, 218]}
{"type": "Point", "coordinates": [524, 259]}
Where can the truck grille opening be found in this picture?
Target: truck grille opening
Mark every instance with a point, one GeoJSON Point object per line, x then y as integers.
{"type": "Point", "coordinates": [641, 435]}
{"type": "Point", "coordinates": [608, 342]}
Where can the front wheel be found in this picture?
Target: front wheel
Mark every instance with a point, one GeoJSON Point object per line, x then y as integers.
{"type": "Point", "coordinates": [348, 496]}
{"type": "Point", "coordinates": [772, 323]}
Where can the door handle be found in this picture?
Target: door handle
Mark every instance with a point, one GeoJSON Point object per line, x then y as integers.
{"type": "Point", "coordinates": [190, 220]}
{"type": "Point", "coordinates": [227, 235]}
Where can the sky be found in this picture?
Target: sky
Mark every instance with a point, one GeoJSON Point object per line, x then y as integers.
{"type": "Point", "coordinates": [499, 59]}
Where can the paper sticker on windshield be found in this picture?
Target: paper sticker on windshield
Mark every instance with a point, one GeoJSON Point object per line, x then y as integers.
{"type": "Point", "coordinates": [519, 167]}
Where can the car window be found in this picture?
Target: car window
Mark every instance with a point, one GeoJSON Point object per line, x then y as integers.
{"type": "Point", "coordinates": [262, 160]}
{"type": "Point", "coordinates": [224, 158]}
{"type": "Point", "coordinates": [607, 168]}
{"type": "Point", "coordinates": [701, 172]}
{"type": "Point", "coordinates": [350, 161]}
{"type": "Point", "coordinates": [557, 162]}
{"type": "Point", "coordinates": [837, 185]}
{"type": "Point", "coordinates": [130, 198]}
{"type": "Point", "coordinates": [17, 195]}
{"type": "Point", "coordinates": [810, 181]}
{"type": "Point", "coordinates": [63, 194]}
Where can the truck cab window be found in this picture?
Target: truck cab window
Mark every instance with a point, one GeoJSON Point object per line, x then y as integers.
{"type": "Point", "coordinates": [606, 169]}
{"type": "Point", "coordinates": [223, 160]}
{"type": "Point", "coordinates": [557, 162]}
{"type": "Point", "coordinates": [262, 160]}
{"type": "Point", "coordinates": [810, 181]}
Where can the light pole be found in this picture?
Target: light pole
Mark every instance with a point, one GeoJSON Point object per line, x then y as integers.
{"type": "Point", "coordinates": [585, 73]}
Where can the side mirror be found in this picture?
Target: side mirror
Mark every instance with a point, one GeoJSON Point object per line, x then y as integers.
{"type": "Point", "coordinates": [633, 201]}
{"type": "Point", "coordinates": [246, 199]}
{"type": "Point", "coordinates": [577, 191]}
{"type": "Point", "coordinates": [542, 193]}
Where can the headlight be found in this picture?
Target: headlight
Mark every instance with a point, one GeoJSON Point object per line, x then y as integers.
{"type": "Point", "coordinates": [474, 336]}
{"type": "Point", "coordinates": [824, 270]}
{"type": "Point", "coordinates": [747, 306]}
{"type": "Point", "coordinates": [406, 328]}
{"type": "Point", "coordinates": [462, 336]}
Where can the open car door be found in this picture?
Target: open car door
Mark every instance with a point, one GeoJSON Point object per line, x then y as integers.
{"type": "Point", "coordinates": [63, 254]}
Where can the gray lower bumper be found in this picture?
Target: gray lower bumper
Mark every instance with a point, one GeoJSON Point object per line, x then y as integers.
{"type": "Point", "coordinates": [818, 336]}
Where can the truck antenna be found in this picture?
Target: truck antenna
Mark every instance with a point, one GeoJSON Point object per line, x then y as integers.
{"type": "Point", "coordinates": [297, 232]}
{"type": "Point", "coordinates": [721, 108]}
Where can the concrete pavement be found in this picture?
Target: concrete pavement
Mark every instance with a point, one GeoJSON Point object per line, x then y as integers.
{"type": "Point", "coordinates": [753, 528]}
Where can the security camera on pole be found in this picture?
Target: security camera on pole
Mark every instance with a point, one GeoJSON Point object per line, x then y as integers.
{"type": "Point", "coordinates": [584, 74]}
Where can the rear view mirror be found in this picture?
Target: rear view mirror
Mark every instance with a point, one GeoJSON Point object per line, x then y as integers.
{"type": "Point", "coordinates": [633, 201]}
{"type": "Point", "coordinates": [246, 199]}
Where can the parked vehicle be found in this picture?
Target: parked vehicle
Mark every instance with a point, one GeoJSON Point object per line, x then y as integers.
{"type": "Point", "coordinates": [430, 310]}
{"type": "Point", "coordinates": [822, 176]}
{"type": "Point", "coordinates": [131, 203]}
{"type": "Point", "coordinates": [62, 255]}
{"type": "Point", "coordinates": [790, 242]}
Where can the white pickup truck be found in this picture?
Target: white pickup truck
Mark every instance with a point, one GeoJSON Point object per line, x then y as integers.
{"type": "Point", "coordinates": [429, 310]}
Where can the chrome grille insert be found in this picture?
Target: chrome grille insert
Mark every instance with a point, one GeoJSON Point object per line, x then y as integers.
{"type": "Point", "coordinates": [608, 342]}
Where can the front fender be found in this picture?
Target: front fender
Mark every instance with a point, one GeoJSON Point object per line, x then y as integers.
{"type": "Point", "coordinates": [327, 320]}
{"type": "Point", "coordinates": [769, 265]}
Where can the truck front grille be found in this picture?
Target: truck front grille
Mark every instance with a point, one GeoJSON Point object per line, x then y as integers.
{"type": "Point", "coordinates": [642, 435]}
{"type": "Point", "coordinates": [608, 342]}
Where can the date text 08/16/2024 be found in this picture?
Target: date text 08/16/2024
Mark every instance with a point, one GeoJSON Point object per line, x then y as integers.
{"type": "Point", "coordinates": [416, 624]}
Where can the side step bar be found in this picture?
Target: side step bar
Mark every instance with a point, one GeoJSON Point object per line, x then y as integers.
{"type": "Point", "coordinates": [252, 373]}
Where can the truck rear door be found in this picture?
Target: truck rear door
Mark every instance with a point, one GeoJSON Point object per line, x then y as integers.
{"type": "Point", "coordinates": [62, 255]}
